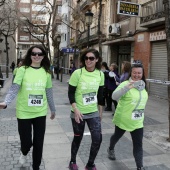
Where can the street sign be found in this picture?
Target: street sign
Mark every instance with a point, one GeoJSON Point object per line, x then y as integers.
{"type": "Point", "coordinates": [128, 8]}
{"type": "Point", "coordinates": [69, 50]}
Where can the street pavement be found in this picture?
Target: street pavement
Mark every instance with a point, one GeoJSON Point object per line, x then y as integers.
{"type": "Point", "coordinates": [56, 155]}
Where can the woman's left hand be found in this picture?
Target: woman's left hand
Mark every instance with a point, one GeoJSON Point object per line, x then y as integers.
{"type": "Point", "coordinates": [52, 115]}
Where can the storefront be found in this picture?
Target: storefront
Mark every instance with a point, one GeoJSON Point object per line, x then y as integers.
{"type": "Point", "coordinates": [159, 65]}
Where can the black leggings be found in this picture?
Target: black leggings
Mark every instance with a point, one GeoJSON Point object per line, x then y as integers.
{"type": "Point", "coordinates": [25, 132]}
{"type": "Point", "coordinates": [94, 125]}
{"type": "Point", "coordinates": [137, 137]}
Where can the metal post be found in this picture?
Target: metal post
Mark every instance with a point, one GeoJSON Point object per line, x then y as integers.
{"type": "Point", "coordinates": [58, 64]}
{"type": "Point", "coordinates": [88, 35]}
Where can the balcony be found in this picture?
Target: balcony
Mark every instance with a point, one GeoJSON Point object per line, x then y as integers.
{"type": "Point", "coordinates": [152, 14]}
{"type": "Point", "coordinates": [84, 4]}
{"type": "Point", "coordinates": [76, 12]}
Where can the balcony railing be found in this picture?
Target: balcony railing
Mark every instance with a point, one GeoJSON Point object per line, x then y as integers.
{"type": "Point", "coordinates": [84, 4]}
{"type": "Point", "coordinates": [152, 10]}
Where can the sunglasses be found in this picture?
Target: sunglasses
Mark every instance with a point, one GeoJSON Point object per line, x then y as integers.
{"type": "Point", "coordinates": [34, 54]}
{"type": "Point", "coordinates": [90, 58]}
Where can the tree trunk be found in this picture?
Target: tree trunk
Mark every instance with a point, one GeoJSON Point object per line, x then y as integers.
{"type": "Point", "coordinates": [167, 30]}
{"type": "Point", "coordinates": [7, 56]}
{"type": "Point", "coordinates": [99, 28]}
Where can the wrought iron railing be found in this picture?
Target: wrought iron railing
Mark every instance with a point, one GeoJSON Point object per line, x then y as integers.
{"type": "Point", "coordinates": [154, 9]}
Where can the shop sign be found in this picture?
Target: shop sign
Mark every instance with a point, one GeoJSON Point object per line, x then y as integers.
{"type": "Point", "coordinates": [69, 50]}
{"type": "Point", "coordinates": [128, 8]}
{"type": "Point", "coordinates": [159, 35]}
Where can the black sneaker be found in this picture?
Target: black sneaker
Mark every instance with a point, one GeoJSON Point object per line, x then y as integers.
{"type": "Point", "coordinates": [90, 168]}
{"type": "Point", "coordinates": [108, 109]}
{"type": "Point", "coordinates": [111, 154]}
{"type": "Point", "coordinates": [73, 166]}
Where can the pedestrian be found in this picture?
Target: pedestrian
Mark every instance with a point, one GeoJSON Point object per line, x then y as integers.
{"type": "Point", "coordinates": [105, 70]}
{"type": "Point", "coordinates": [12, 66]}
{"type": "Point", "coordinates": [113, 81]}
{"type": "Point", "coordinates": [72, 68]}
{"type": "Point", "coordinates": [16, 69]}
{"type": "Point", "coordinates": [86, 98]}
{"type": "Point", "coordinates": [33, 87]}
{"type": "Point", "coordinates": [129, 116]}
{"type": "Point", "coordinates": [125, 71]}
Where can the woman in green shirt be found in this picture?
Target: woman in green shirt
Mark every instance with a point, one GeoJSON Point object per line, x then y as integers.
{"type": "Point", "coordinates": [33, 87]}
{"type": "Point", "coordinates": [129, 115]}
{"type": "Point", "coordinates": [86, 98]}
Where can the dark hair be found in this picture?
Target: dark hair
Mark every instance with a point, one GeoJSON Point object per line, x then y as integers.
{"type": "Point", "coordinates": [138, 65]}
{"type": "Point", "coordinates": [104, 64]}
{"type": "Point", "coordinates": [126, 67]}
{"type": "Point", "coordinates": [97, 56]}
{"type": "Point", "coordinates": [45, 63]}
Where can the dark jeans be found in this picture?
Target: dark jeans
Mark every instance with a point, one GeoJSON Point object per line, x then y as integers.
{"type": "Point", "coordinates": [109, 100]}
{"type": "Point", "coordinates": [137, 137]}
{"type": "Point", "coordinates": [25, 132]}
{"type": "Point", "coordinates": [94, 125]}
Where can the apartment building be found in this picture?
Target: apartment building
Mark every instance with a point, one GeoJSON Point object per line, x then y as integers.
{"type": "Point", "coordinates": [38, 22]}
{"type": "Point", "coordinates": [126, 37]}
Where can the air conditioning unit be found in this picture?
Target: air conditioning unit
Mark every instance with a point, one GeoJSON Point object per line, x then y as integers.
{"type": "Point", "coordinates": [114, 29]}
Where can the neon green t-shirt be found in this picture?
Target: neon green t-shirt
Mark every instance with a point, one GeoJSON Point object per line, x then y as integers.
{"type": "Point", "coordinates": [15, 71]}
{"type": "Point", "coordinates": [87, 84]}
{"type": "Point", "coordinates": [31, 98]}
{"type": "Point", "coordinates": [125, 117]}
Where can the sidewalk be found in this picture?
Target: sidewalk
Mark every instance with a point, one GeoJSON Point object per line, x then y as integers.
{"type": "Point", "coordinates": [56, 155]}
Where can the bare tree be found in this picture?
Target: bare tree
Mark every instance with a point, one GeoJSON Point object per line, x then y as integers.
{"type": "Point", "coordinates": [39, 24]}
{"type": "Point", "coordinates": [2, 2]}
{"type": "Point", "coordinates": [8, 25]}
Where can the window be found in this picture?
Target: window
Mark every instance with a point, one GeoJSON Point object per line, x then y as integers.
{"type": "Point", "coordinates": [25, 1]}
{"type": "Point", "coordinates": [38, 8]}
{"type": "Point", "coordinates": [59, 9]}
{"type": "Point", "coordinates": [38, 0]}
{"type": "Point", "coordinates": [24, 38]}
{"type": "Point", "coordinates": [27, 10]}
{"type": "Point", "coordinates": [24, 28]}
{"type": "Point", "coordinates": [38, 36]}
{"type": "Point", "coordinates": [25, 47]}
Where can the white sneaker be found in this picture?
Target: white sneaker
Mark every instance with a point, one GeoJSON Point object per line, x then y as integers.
{"type": "Point", "coordinates": [22, 159]}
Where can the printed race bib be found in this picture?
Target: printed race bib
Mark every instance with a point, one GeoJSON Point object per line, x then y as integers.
{"type": "Point", "coordinates": [35, 100]}
{"type": "Point", "coordinates": [89, 98]}
{"type": "Point", "coordinates": [137, 114]}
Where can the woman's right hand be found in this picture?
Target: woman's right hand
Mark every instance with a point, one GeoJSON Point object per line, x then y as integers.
{"type": "Point", "coordinates": [78, 115]}
{"type": "Point", "coordinates": [2, 105]}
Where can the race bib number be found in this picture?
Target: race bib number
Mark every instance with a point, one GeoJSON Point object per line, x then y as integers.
{"type": "Point", "coordinates": [89, 98]}
{"type": "Point", "coordinates": [35, 100]}
{"type": "Point", "coordinates": [137, 114]}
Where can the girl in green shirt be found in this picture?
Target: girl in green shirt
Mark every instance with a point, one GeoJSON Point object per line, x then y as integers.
{"type": "Point", "coordinates": [129, 115]}
{"type": "Point", "coordinates": [33, 87]}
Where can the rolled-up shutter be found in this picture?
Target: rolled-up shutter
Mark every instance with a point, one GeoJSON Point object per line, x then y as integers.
{"type": "Point", "coordinates": [159, 69]}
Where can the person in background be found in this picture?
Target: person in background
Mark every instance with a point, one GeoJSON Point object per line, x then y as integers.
{"type": "Point", "coordinates": [12, 66]}
{"type": "Point", "coordinates": [16, 69]}
{"type": "Point", "coordinates": [86, 98]}
{"type": "Point", "coordinates": [125, 71]}
{"type": "Point", "coordinates": [72, 68]}
{"type": "Point", "coordinates": [105, 70]}
{"type": "Point", "coordinates": [113, 81]}
{"type": "Point", "coordinates": [33, 87]}
{"type": "Point", "coordinates": [129, 116]}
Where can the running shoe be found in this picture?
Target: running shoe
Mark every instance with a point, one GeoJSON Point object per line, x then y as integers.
{"type": "Point", "coordinates": [142, 168]}
{"type": "Point", "coordinates": [73, 166]}
{"type": "Point", "coordinates": [90, 168]}
{"type": "Point", "coordinates": [22, 159]}
{"type": "Point", "coordinates": [111, 154]}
